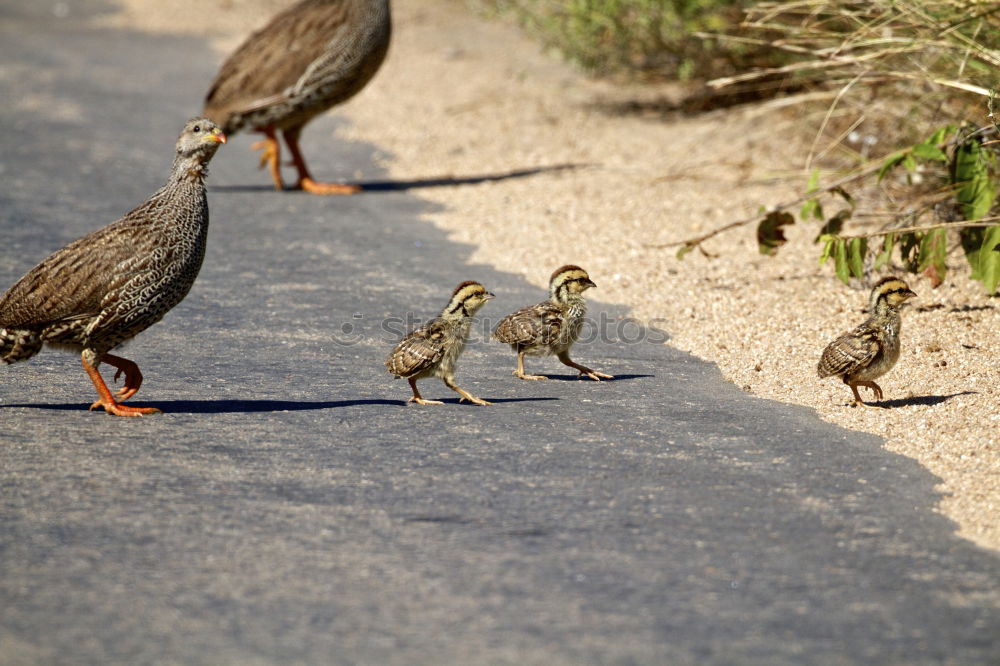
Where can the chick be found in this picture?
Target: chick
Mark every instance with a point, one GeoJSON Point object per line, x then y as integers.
{"type": "Point", "coordinates": [432, 350]}
{"type": "Point", "coordinates": [871, 349]}
{"type": "Point", "coordinates": [551, 327]}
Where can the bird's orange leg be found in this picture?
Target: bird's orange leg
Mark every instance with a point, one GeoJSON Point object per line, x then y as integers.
{"type": "Point", "coordinates": [416, 395]}
{"type": "Point", "coordinates": [111, 406]}
{"type": "Point", "coordinates": [450, 383]}
{"type": "Point", "coordinates": [270, 156]}
{"type": "Point", "coordinates": [133, 377]}
{"type": "Point", "coordinates": [519, 373]}
{"type": "Point", "coordinates": [584, 370]}
{"type": "Point", "coordinates": [306, 182]}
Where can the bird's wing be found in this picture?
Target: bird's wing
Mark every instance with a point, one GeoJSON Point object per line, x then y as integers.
{"type": "Point", "coordinates": [81, 279]}
{"type": "Point", "coordinates": [418, 351]}
{"type": "Point", "coordinates": [535, 324]}
{"type": "Point", "coordinates": [849, 353]}
{"type": "Point", "coordinates": [69, 284]}
{"type": "Point", "coordinates": [282, 57]}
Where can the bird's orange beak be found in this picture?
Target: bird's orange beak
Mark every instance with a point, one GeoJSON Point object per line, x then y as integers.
{"type": "Point", "coordinates": [216, 136]}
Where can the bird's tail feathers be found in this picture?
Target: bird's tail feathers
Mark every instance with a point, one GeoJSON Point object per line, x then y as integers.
{"type": "Point", "coordinates": [18, 345]}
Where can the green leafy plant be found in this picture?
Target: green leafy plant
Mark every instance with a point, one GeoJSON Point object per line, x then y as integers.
{"type": "Point", "coordinates": [961, 169]}
{"type": "Point", "coordinates": [639, 38]}
{"type": "Point", "coordinates": [889, 71]}
{"type": "Point", "coordinates": [968, 174]}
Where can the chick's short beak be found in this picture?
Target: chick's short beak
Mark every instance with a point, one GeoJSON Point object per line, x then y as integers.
{"type": "Point", "coordinates": [591, 283]}
{"type": "Point", "coordinates": [488, 296]}
{"type": "Point", "coordinates": [216, 136]}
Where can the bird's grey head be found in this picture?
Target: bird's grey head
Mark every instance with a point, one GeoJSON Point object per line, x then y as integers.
{"type": "Point", "coordinates": [200, 137]}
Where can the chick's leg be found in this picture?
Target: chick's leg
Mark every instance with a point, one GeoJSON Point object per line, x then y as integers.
{"type": "Point", "coordinates": [417, 397]}
{"type": "Point", "coordinates": [519, 373]}
{"type": "Point", "coordinates": [876, 389]}
{"type": "Point", "coordinates": [450, 383]}
{"type": "Point", "coordinates": [306, 182]}
{"type": "Point", "coordinates": [584, 370]}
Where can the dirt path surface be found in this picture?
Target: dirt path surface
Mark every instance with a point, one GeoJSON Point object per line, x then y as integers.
{"type": "Point", "coordinates": [463, 97]}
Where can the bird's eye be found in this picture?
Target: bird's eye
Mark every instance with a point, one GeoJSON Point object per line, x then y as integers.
{"type": "Point", "coordinates": [197, 128]}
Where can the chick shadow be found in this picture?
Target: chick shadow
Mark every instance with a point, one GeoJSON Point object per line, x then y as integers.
{"type": "Point", "coordinates": [583, 378]}
{"type": "Point", "coordinates": [458, 401]}
{"type": "Point", "coordinates": [925, 400]}
{"type": "Point", "coordinates": [375, 186]}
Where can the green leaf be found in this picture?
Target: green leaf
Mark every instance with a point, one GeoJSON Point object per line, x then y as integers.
{"type": "Point", "coordinates": [769, 233]}
{"type": "Point", "coordinates": [813, 183]}
{"type": "Point", "coordinates": [811, 208]}
{"type": "Point", "coordinates": [889, 163]}
{"type": "Point", "coordinates": [841, 266]}
{"type": "Point", "coordinates": [845, 195]}
{"type": "Point", "coordinates": [989, 260]}
{"type": "Point", "coordinates": [976, 191]}
{"type": "Point", "coordinates": [940, 135]}
{"type": "Point", "coordinates": [909, 162]}
{"type": "Point", "coordinates": [972, 242]}
{"type": "Point", "coordinates": [983, 252]}
{"type": "Point", "coordinates": [834, 225]}
{"type": "Point", "coordinates": [829, 243]}
{"type": "Point", "coordinates": [927, 151]}
{"type": "Point", "coordinates": [857, 248]}
{"type": "Point", "coordinates": [684, 249]}
{"type": "Point", "coordinates": [933, 249]}
{"type": "Point", "coordinates": [885, 256]}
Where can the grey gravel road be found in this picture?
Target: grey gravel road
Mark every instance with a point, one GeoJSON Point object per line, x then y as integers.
{"type": "Point", "coordinates": [289, 508]}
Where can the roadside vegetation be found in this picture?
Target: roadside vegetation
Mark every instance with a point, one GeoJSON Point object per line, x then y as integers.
{"type": "Point", "coordinates": [901, 168]}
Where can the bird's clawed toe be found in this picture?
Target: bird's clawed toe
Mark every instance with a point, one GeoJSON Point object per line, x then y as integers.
{"type": "Point", "coordinates": [422, 401]}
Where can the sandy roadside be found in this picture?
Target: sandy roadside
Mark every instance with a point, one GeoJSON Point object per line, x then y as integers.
{"type": "Point", "coordinates": [465, 97]}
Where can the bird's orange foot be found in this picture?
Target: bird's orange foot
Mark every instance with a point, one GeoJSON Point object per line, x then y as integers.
{"type": "Point", "coordinates": [473, 399]}
{"type": "Point", "coordinates": [312, 187]}
{"type": "Point", "coordinates": [421, 401]}
{"type": "Point", "coordinates": [270, 156]}
{"type": "Point", "coordinates": [521, 375]}
{"type": "Point", "coordinates": [116, 409]}
{"type": "Point", "coordinates": [268, 151]}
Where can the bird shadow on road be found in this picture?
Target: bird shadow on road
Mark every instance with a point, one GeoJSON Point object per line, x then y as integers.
{"type": "Point", "coordinates": [242, 406]}
{"type": "Point", "coordinates": [219, 406]}
{"type": "Point", "coordinates": [458, 401]}
{"type": "Point", "coordinates": [418, 183]}
{"type": "Point", "coordinates": [573, 378]}
{"type": "Point", "coordinates": [926, 400]}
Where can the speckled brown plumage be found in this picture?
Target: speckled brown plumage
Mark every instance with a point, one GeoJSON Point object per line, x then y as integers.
{"type": "Point", "coordinates": [110, 285]}
{"type": "Point", "coordinates": [432, 350]}
{"type": "Point", "coordinates": [551, 327]}
{"type": "Point", "coordinates": [871, 349]}
{"type": "Point", "coordinates": [312, 56]}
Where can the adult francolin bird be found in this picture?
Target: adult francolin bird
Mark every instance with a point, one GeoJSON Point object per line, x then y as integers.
{"type": "Point", "coordinates": [432, 350]}
{"type": "Point", "coordinates": [551, 327]}
{"type": "Point", "coordinates": [103, 289]}
{"type": "Point", "coordinates": [310, 57]}
{"type": "Point", "coordinates": [871, 349]}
